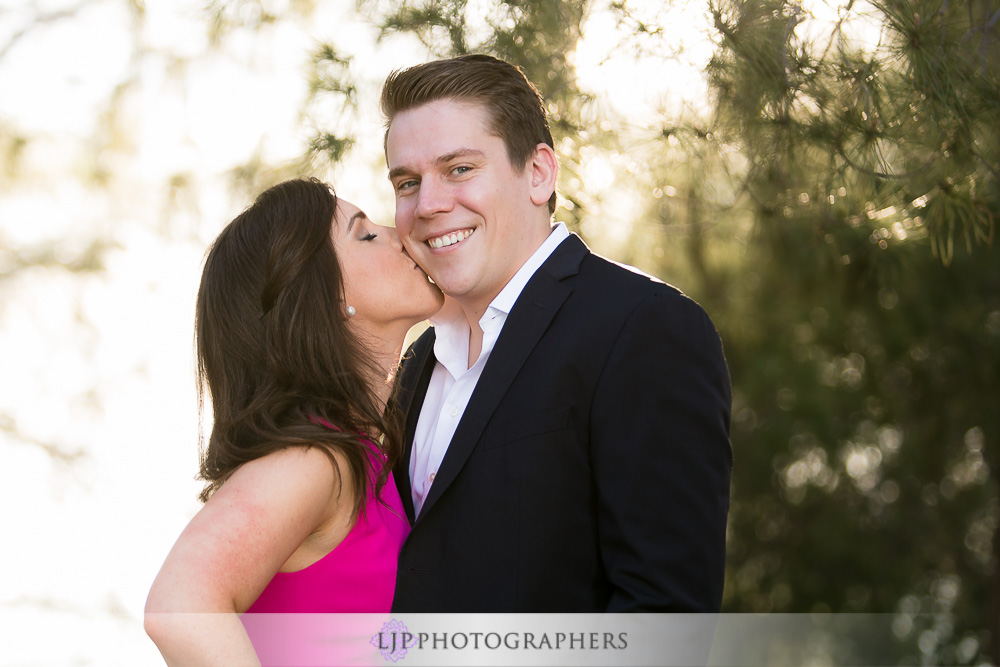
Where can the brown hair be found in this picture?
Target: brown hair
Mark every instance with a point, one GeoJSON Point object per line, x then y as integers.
{"type": "Point", "coordinates": [514, 106]}
{"type": "Point", "coordinates": [274, 350]}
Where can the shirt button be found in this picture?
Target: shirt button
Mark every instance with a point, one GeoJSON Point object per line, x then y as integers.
{"type": "Point", "coordinates": [453, 412]}
{"type": "Point", "coordinates": [430, 477]}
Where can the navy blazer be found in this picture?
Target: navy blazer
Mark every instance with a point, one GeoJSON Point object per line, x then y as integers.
{"type": "Point", "coordinates": [590, 471]}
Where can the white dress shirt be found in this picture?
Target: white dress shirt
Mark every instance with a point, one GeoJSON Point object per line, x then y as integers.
{"type": "Point", "coordinates": [453, 380]}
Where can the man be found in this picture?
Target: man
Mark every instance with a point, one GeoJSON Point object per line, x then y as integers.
{"type": "Point", "coordinates": [567, 434]}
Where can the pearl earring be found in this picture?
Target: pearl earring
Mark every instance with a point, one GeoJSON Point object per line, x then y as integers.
{"type": "Point", "coordinates": [350, 311]}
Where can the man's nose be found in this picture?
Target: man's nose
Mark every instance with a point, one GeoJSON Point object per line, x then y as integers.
{"type": "Point", "coordinates": [432, 198]}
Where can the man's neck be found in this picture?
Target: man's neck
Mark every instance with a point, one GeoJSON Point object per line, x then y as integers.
{"type": "Point", "coordinates": [474, 309]}
{"type": "Point", "coordinates": [475, 338]}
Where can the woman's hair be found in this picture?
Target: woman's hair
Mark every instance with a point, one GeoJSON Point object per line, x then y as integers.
{"type": "Point", "coordinates": [275, 353]}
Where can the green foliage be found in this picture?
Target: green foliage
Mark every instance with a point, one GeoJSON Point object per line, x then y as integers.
{"type": "Point", "coordinates": [909, 122]}
{"type": "Point", "coordinates": [224, 16]}
{"type": "Point", "coordinates": [430, 20]}
{"type": "Point", "coordinates": [863, 345]}
{"type": "Point", "coordinates": [332, 147]}
{"type": "Point", "coordinates": [332, 103]}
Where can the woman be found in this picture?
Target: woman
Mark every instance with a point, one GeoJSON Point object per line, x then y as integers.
{"type": "Point", "coordinates": [303, 307]}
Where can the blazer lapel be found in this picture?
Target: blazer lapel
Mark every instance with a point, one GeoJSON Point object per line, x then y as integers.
{"type": "Point", "coordinates": [529, 318]}
{"type": "Point", "coordinates": [415, 375]}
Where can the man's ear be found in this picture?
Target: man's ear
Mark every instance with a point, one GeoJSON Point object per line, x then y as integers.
{"type": "Point", "coordinates": [544, 172]}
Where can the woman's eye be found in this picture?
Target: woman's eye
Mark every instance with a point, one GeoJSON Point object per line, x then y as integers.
{"type": "Point", "coordinates": [369, 237]}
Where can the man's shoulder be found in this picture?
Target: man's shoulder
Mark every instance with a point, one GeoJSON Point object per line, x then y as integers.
{"type": "Point", "coordinates": [620, 292]}
{"type": "Point", "coordinates": [573, 258]}
{"type": "Point", "coordinates": [618, 278]}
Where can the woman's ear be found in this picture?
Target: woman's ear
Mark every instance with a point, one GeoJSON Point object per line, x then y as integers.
{"type": "Point", "coordinates": [544, 172]}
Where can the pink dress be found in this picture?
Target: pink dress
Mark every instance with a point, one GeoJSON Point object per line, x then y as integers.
{"type": "Point", "coordinates": [359, 575]}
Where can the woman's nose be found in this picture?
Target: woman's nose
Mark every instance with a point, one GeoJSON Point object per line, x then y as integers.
{"type": "Point", "coordinates": [394, 239]}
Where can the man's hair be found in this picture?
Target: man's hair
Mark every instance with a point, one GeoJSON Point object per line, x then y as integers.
{"type": "Point", "coordinates": [513, 105]}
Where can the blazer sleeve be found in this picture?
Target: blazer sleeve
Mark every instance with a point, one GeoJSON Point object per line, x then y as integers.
{"type": "Point", "coordinates": [662, 459]}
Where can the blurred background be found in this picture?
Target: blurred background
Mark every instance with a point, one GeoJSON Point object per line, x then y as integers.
{"type": "Point", "coordinates": [821, 176]}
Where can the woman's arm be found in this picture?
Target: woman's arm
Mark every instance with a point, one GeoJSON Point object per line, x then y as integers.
{"type": "Point", "coordinates": [234, 546]}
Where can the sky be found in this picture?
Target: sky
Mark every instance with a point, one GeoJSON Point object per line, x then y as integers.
{"type": "Point", "coordinates": [98, 367]}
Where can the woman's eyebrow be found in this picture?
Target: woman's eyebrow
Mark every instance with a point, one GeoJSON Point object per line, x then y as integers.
{"type": "Point", "coordinates": [350, 223]}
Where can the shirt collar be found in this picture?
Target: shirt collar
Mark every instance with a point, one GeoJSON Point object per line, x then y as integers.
{"type": "Point", "coordinates": [505, 300]}
{"type": "Point", "coordinates": [451, 345]}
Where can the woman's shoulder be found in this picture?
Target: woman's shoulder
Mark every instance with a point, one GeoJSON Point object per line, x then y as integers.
{"type": "Point", "coordinates": [299, 470]}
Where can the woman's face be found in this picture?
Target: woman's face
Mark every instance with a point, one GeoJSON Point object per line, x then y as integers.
{"type": "Point", "coordinates": [381, 282]}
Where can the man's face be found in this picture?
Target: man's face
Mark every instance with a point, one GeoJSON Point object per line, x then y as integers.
{"type": "Point", "coordinates": [462, 211]}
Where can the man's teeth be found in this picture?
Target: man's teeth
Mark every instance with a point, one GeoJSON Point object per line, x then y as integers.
{"type": "Point", "coordinates": [449, 239]}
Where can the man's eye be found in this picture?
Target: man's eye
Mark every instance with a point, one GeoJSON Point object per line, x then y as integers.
{"type": "Point", "coordinates": [461, 170]}
{"type": "Point", "coordinates": [404, 185]}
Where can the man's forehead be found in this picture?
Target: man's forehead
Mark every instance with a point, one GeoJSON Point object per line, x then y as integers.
{"type": "Point", "coordinates": [434, 131]}
{"type": "Point", "coordinates": [468, 113]}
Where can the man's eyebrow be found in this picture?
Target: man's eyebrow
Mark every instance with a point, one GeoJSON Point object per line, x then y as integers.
{"type": "Point", "coordinates": [398, 171]}
{"type": "Point", "coordinates": [441, 159]}
{"type": "Point", "coordinates": [460, 153]}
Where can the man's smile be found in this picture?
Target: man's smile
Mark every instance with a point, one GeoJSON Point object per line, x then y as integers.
{"type": "Point", "coordinates": [449, 239]}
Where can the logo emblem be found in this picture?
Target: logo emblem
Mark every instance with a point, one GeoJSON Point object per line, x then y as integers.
{"type": "Point", "coordinates": [393, 640]}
